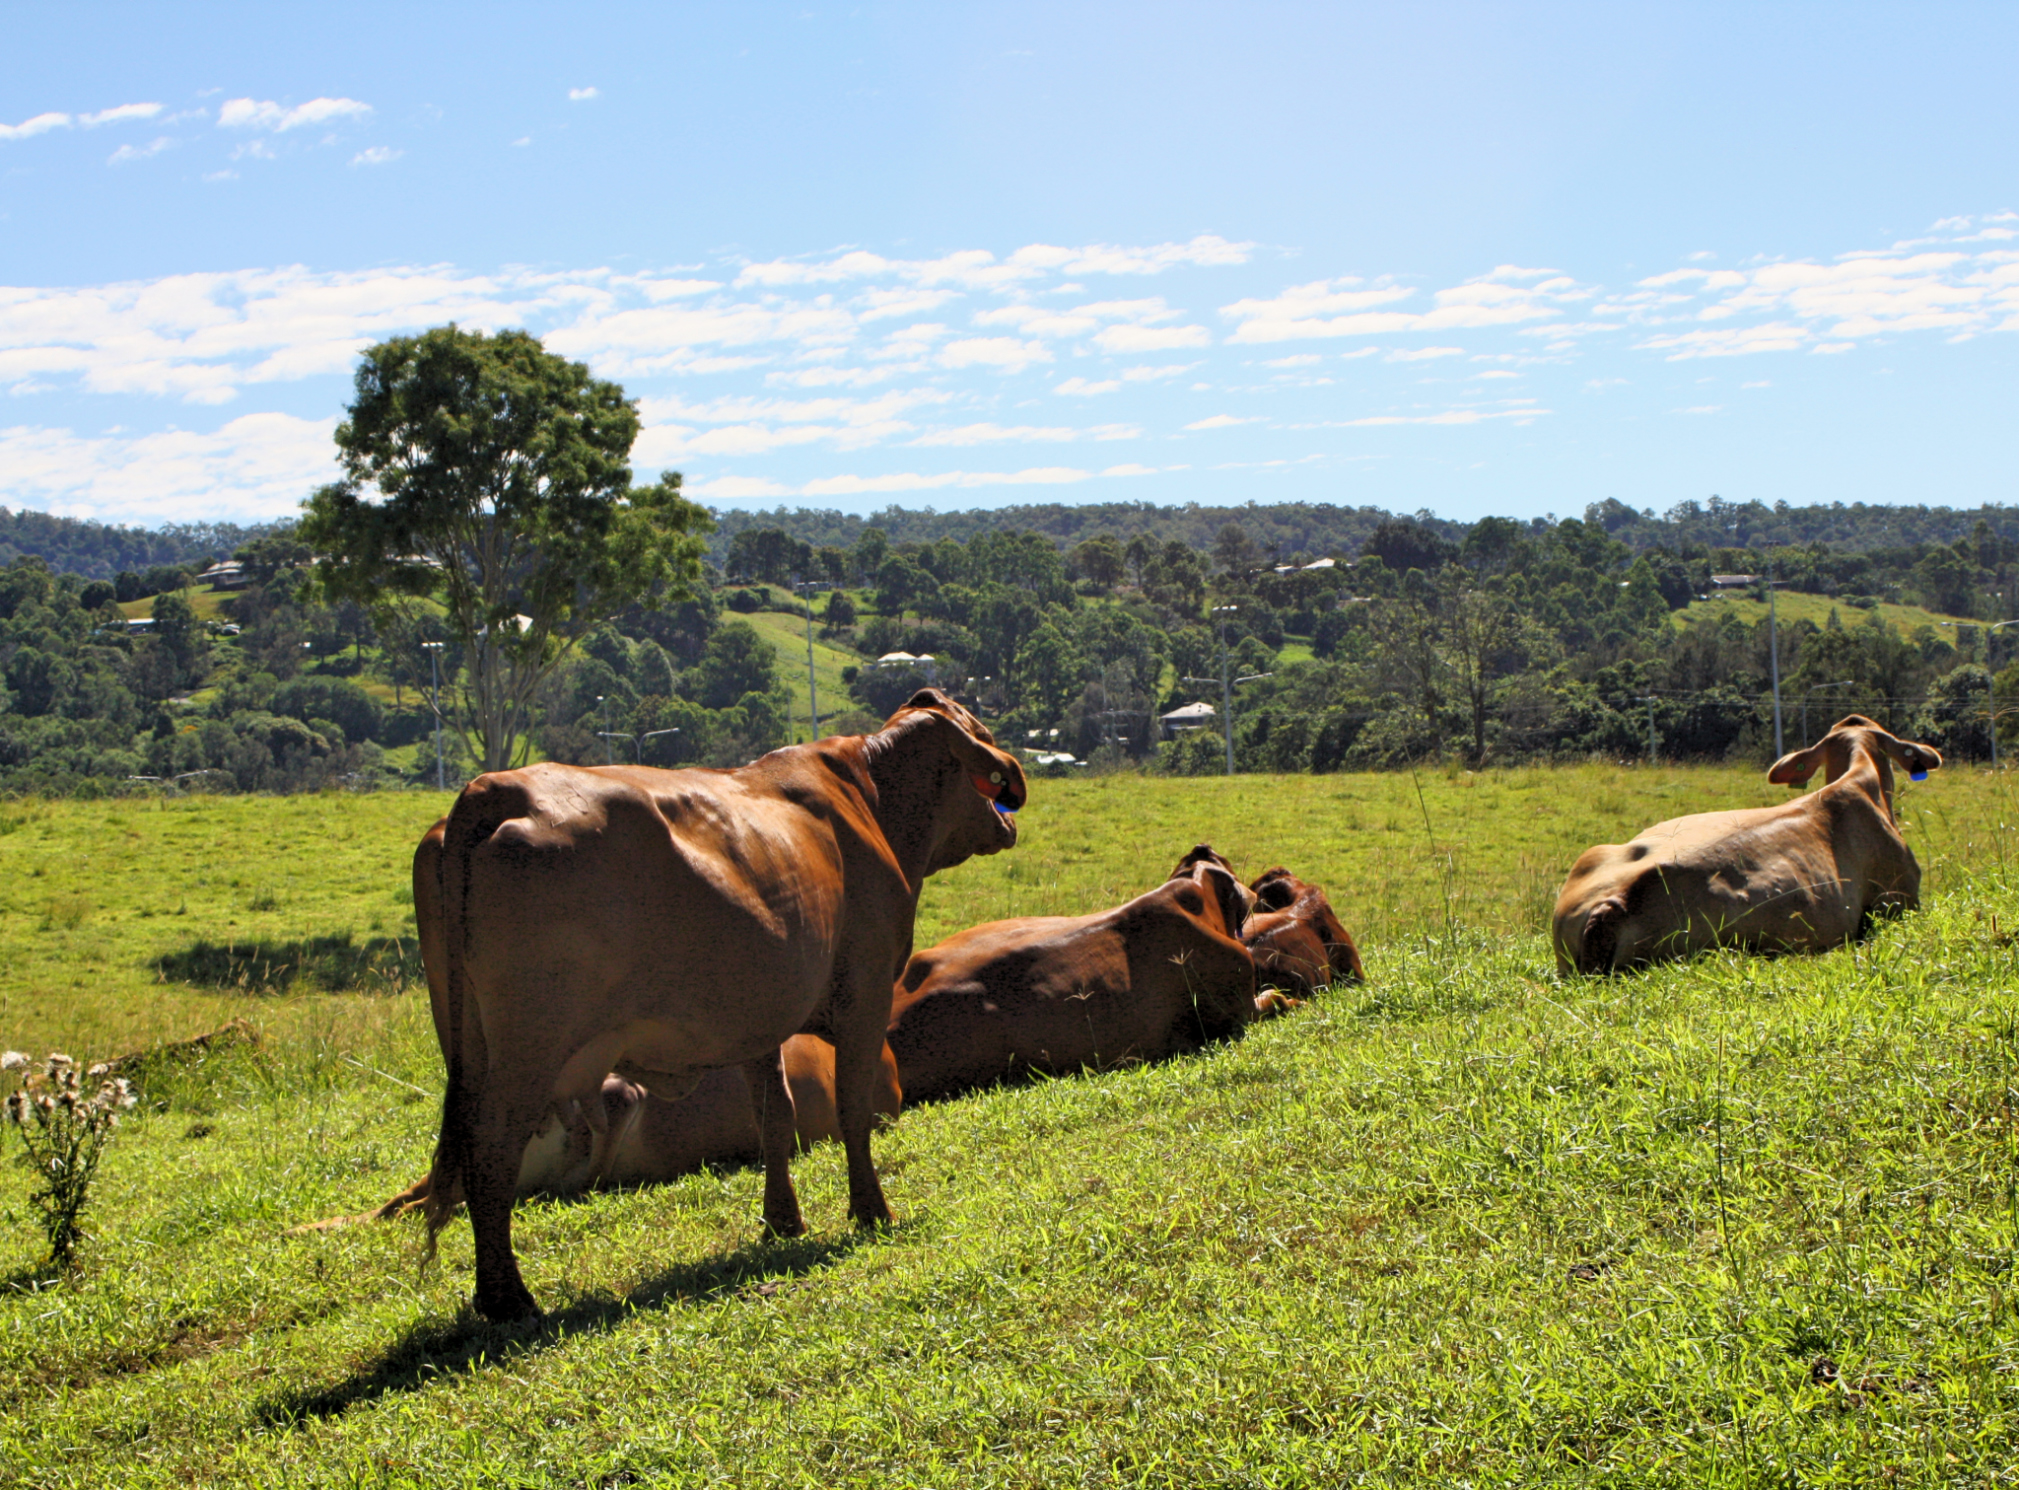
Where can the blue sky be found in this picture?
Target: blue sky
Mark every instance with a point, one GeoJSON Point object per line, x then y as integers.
{"type": "Point", "coordinates": [1476, 259]}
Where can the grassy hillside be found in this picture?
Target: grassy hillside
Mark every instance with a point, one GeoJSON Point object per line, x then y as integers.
{"type": "Point", "coordinates": [1743, 1221]}
{"type": "Point", "coordinates": [1792, 606]}
{"type": "Point", "coordinates": [788, 634]}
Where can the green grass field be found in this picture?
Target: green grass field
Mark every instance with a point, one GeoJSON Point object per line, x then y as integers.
{"type": "Point", "coordinates": [1740, 1221]}
{"type": "Point", "coordinates": [1792, 605]}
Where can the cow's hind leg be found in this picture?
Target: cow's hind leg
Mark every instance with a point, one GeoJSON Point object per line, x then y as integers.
{"type": "Point", "coordinates": [771, 1105]}
{"type": "Point", "coordinates": [491, 1184]}
{"type": "Point", "coordinates": [857, 1064]}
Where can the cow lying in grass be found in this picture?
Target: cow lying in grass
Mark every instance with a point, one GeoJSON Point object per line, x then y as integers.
{"type": "Point", "coordinates": [1165, 973]}
{"type": "Point", "coordinates": [1804, 876]}
{"type": "Point", "coordinates": [640, 1139]}
{"type": "Point", "coordinates": [1295, 937]}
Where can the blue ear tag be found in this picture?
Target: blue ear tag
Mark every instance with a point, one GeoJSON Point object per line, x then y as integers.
{"type": "Point", "coordinates": [1001, 810]}
{"type": "Point", "coordinates": [1918, 776]}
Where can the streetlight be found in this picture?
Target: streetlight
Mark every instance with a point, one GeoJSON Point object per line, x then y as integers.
{"type": "Point", "coordinates": [652, 734]}
{"type": "Point", "coordinates": [805, 587]}
{"type": "Point", "coordinates": [1818, 688]}
{"type": "Point", "coordinates": [1652, 752]}
{"type": "Point", "coordinates": [434, 651]}
{"type": "Point", "coordinates": [1226, 683]}
{"type": "Point", "coordinates": [609, 751]}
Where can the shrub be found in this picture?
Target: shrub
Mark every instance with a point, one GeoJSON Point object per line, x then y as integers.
{"type": "Point", "coordinates": [64, 1133]}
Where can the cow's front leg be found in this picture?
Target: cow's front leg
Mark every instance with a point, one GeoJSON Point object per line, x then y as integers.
{"type": "Point", "coordinates": [858, 1060]}
{"type": "Point", "coordinates": [771, 1104]}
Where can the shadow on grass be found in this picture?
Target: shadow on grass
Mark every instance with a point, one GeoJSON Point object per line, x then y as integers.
{"type": "Point", "coordinates": [336, 964]}
{"type": "Point", "coordinates": [430, 1351]}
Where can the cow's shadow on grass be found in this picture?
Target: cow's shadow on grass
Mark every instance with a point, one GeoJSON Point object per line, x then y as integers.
{"type": "Point", "coordinates": [337, 964]}
{"type": "Point", "coordinates": [434, 1350]}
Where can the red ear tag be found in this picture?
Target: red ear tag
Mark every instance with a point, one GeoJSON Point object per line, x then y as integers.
{"type": "Point", "coordinates": [983, 785]}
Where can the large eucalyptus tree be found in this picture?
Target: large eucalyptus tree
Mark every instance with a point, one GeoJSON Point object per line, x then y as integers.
{"type": "Point", "coordinates": [487, 480]}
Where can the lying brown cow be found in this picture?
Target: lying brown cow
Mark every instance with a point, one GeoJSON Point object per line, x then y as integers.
{"type": "Point", "coordinates": [1164, 973]}
{"type": "Point", "coordinates": [1289, 929]}
{"type": "Point", "coordinates": [642, 1140]}
{"type": "Point", "coordinates": [660, 925]}
{"type": "Point", "coordinates": [1804, 876]}
{"type": "Point", "coordinates": [1296, 939]}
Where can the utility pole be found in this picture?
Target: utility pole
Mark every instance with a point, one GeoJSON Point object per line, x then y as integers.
{"type": "Point", "coordinates": [805, 589]}
{"type": "Point", "coordinates": [1774, 650]}
{"type": "Point", "coordinates": [609, 750]}
{"type": "Point", "coordinates": [1991, 675]}
{"type": "Point", "coordinates": [434, 651]}
{"type": "Point", "coordinates": [1652, 752]}
{"type": "Point", "coordinates": [1226, 684]}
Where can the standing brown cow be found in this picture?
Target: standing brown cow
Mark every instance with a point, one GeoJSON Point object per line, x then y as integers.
{"type": "Point", "coordinates": [1803, 876]}
{"type": "Point", "coordinates": [663, 924]}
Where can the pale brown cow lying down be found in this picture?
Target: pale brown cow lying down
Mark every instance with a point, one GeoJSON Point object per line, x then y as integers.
{"type": "Point", "coordinates": [1290, 930]}
{"type": "Point", "coordinates": [1803, 876]}
{"type": "Point", "coordinates": [644, 1140]}
{"type": "Point", "coordinates": [1164, 973]}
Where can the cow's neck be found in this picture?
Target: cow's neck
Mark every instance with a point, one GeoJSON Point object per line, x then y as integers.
{"type": "Point", "coordinates": [903, 805]}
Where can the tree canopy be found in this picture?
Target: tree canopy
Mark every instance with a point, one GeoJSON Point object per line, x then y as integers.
{"type": "Point", "coordinates": [489, 476]}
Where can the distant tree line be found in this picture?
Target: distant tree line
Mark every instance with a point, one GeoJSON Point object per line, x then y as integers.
{"type": "Point", "coordinates": [96, 550]}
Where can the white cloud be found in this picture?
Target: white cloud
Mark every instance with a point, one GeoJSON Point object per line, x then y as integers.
{"type": "Point", "coordinates": [1449, 416]}
{"type": "Point", "coordinates": [1083, 388]}
{"type": "Point", "coordinates": [1224, 421]}
{"type": "Point", "coordinates": [1301, 359]}
{"type": "Point", "coordinates": [1424, 354]}
{"type": "Point", "coordinates": [1138, 339]}
{"type": "Point", "coordinates": [139, 152]}
{"type": "Point", "coordinates": [979, 269]}
{"type": "Point", "coordinates": [377, 155]}
{"type": "Point", "coordinates": [581, 95]}
{"type": "Point", "coordinates": [253, 113]}
{"type": "Point", "coordinates": [120, 115]}
{"type": "Point", "coordinates": [254, 468]}
{"type": "Point", "coordinates": [40, 124]}
{"type": "Point", "coordinates": [1149, 372]}
{"type": "Point", "coordinates": [1497, 372]}
{"type": "Point", "coordinates": [1004, 352]}
{"type": "Point", "coordinates": [989, 434]}
{"type": "Point", "coordinates": [1326, 308]}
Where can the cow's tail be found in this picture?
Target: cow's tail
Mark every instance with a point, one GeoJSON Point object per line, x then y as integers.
{"type": "Point", "coordinates": [471, 822]}
{"type": "Point", "coordinates": [1599, 945]}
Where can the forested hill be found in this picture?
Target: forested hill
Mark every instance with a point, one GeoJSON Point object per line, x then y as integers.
{"type": "Point", "coordinates": [1288, 529]}
{"type": "Point", "coordinates": [95, 550]}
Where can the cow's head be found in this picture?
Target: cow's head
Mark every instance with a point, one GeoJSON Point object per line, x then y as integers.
{"type": "Point", "coordinates": [1851, 741]}
{"type": "Point", "coordinates": [939, 771]}
{"type": "Point", "coordinates": [1201, 858]}
{"type": "Point", "coordinates": [1278, 890]}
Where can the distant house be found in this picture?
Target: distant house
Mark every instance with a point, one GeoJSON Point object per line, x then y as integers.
{"type": "Point", "coordinates": [1190, 716]}
{"type": "Point", "coordinates": [142, 624]}
{"type": "Point", "coordinates": [1733, 581]}
{"type": "Point", "coordinates": [228, 574]}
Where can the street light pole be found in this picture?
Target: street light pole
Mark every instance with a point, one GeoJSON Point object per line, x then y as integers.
{"type": "Point", "coordinates": [1991, 683]}
{"type": "Point", "coordinates": [609, 750]}
{"type": "Point", "coordinates": [805, 589]}
{"type": "Point", "coordinates": [1226, 684]}
{"type": "Point", "coordinates": [1652, 752]}
{"type": "Point", "coordinates": [1774, 650]}
{"type": "Point", "coordinates": [434, 651]}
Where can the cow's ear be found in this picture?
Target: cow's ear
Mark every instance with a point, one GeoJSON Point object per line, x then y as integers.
{"type": "Point", "coordinates": [1797, 766]}
{"type": "Point", "coordinates": [1915, 759]}
{"type": "Point", "coordinates": [927, 698]}
{"type": "Point", "coordinates": [1236, 899]}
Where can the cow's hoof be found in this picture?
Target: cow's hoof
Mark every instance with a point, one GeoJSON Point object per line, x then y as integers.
{"type": "Point", "coordinates": [508, 1307]}
{"type": "Point", "coordinates": [874, 1220]}
{"type": "Point", "coordinates": [789, 1227]}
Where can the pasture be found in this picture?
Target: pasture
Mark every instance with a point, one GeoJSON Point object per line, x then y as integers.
{"type": "Point", "coordinates": [1739, 1221]}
